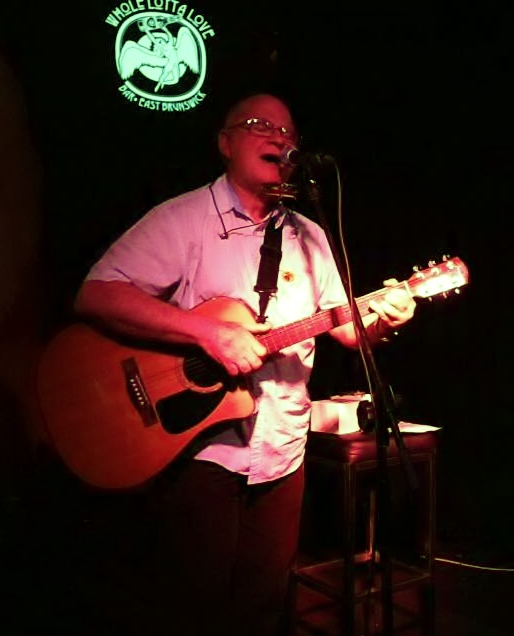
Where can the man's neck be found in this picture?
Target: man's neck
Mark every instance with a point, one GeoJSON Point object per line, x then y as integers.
{"type": "Point", "coordinates": [257, 205]}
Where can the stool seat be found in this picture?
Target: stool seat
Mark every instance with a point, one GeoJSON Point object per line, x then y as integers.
{"type": "Point", "coordinates": [361, 447]}
{"type": "Point", "coordinates": [339, 462]}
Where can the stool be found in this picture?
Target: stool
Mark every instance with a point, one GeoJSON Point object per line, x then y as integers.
{"type": "Point", "coordinates": [342, 579]}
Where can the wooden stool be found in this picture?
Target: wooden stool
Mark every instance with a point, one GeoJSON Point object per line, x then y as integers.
{"type": "Point", "coordinates": [336, 583]}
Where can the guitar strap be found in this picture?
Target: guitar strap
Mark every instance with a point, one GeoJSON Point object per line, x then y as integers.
{"type": "Point", "coordinates": [267, 276]}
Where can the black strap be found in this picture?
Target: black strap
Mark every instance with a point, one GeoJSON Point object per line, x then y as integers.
{"type": "Point", "coordinates": [267, 276]}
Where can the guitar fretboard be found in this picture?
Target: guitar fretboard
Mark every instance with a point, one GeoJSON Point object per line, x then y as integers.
{"type": "Point", "coordinates": [317, 324]}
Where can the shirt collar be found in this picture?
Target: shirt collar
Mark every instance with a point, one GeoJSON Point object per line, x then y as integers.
{"type": "Point", "coordinates": [228, 203]}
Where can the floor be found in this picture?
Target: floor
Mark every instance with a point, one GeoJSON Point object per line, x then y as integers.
{"type": "Point", "coordinates": [71, 566]}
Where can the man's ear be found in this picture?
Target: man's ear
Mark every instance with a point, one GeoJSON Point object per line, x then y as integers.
{"type": "Point", "coordinates": [223, 144]}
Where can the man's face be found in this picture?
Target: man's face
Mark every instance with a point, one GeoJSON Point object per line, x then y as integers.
{"type": "Point", "coordinates": [253, 140]}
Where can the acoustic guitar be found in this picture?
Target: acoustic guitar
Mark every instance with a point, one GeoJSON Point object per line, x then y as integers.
{"type": "Point", "coordinates": [119, 411]}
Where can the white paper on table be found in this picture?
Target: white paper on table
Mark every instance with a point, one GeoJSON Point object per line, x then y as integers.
{"type": "Point", "coordinates": [339, 415]}
{"type": "Point", "coordinates": [411, 427]}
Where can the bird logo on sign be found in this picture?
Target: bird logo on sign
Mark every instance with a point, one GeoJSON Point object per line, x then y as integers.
{"type": "Point", "coordinates": [159, 55]}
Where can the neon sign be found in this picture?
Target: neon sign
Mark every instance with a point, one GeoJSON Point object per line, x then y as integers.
{"type": "Point", "coordinates": [160, 53]}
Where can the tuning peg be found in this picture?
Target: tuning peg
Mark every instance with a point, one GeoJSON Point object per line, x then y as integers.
{"type": "Point", "coordinates": [431, 263]}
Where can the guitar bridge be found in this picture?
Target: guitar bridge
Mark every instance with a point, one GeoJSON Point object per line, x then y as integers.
{"type": "Point", "coordinates": [137, 392]}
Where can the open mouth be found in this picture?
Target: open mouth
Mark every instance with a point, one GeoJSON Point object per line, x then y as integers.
{"type": "Point", "coordinates": [270, 158]}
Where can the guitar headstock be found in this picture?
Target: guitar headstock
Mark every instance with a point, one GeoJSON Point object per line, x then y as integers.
{"type": "Point", "coordinates": [439, 279]}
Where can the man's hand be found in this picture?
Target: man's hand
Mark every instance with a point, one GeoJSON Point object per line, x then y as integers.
{"type": "Point", "coordinates": [235, 346]}
{"type": "Point", "coordinates": [396, 308]}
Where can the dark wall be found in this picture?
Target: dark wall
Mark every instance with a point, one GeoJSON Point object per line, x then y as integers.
{"type": "Point", "coordinates": [415, 106]}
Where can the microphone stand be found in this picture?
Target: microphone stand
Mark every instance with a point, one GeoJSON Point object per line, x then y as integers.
{"type": "Point", "coordinates": [385, 420]}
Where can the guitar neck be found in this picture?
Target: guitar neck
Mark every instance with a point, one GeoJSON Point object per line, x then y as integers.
{"type": "Point", "coordinates": [436, 280]}
{"type": "Point", "coordinates": [319, 323]}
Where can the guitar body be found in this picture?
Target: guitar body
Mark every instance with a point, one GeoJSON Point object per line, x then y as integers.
{"type": "Point", "coordinates": [118, 414]}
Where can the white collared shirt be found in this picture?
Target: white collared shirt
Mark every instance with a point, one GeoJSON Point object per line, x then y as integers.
{"type": "Point", "coordinates": [199, 245]}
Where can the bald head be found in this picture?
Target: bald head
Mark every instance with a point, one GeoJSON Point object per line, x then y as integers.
{"type": "Point", "coordinates": [255, 106]}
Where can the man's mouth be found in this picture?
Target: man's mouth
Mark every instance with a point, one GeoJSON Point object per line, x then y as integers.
{"type": "Point", "coordinates": [270, 158]}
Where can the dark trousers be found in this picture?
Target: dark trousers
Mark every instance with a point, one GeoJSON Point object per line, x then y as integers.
{"type": "Point", "coordinates": [225, 549]}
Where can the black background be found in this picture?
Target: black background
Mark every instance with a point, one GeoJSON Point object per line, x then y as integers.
{"type": "Point", "coordinates": [414, 102]}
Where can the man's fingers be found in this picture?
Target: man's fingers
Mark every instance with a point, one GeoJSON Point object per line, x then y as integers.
{"type": "Point", "coordinates": [257, 327]}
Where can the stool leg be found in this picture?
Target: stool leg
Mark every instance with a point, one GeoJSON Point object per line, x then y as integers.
{"type": "Point", "coordinates": [429, 592]}
{"type": "Point", "coordinates": [348, 551]}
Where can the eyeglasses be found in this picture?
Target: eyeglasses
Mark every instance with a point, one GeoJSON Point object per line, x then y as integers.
{"type": "Point", "coordinates": [264, 128]}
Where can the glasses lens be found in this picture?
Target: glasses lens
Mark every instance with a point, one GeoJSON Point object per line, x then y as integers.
{"type": "Point", "coordinates": [290, 135]}
{"type": "Point", "coordinates": [260, 126]}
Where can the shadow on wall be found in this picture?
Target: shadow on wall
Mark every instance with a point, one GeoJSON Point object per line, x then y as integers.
{"type": "Point", "coordinates": [21, 285]}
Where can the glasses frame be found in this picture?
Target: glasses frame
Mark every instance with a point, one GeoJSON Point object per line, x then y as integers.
{"type": "Point", "coordinates": [267, 129]}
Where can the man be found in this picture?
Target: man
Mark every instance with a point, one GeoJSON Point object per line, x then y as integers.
{"type": "Point", "coordinates": [232, 503]}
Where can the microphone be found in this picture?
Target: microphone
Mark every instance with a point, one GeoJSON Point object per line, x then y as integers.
{"type": "Point", "coordinates": [294, 157]}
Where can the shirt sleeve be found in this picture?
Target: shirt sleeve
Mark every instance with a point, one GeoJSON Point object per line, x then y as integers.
{"type": "Point", "coordinates": [331, 292]}
{"type": "Point", "coordinates": [148, 255]}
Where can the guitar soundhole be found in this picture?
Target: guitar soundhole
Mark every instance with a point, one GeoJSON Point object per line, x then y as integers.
{"type": "Point", "coordinates": [185, 410]}
{"type": "Point", "coordinates": [182, 411]}
{"type": "Point", "coordinates": [204, 371]}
